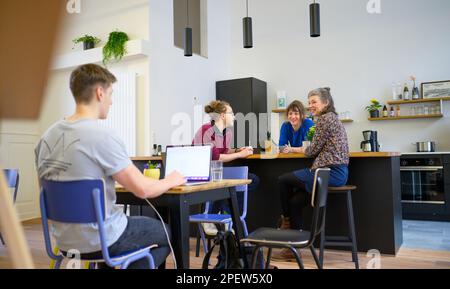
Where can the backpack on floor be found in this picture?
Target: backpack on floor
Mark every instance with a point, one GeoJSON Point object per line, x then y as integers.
{"type": "Point", "coordinates": [228, 257]}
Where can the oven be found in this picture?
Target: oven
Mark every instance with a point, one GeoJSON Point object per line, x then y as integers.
{"type": "Point", "coordinates": [424, 187]}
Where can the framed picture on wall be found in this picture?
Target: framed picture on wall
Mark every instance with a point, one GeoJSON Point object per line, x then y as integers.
{"type": "Point", "coordinates": [436, 89]}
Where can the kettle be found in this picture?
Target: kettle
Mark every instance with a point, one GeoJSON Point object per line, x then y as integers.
{"type": "Point", "coordinates": [366, 146]}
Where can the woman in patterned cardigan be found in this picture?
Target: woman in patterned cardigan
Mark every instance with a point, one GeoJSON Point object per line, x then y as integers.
{"type": "Point", "coordinates": [329, 148]}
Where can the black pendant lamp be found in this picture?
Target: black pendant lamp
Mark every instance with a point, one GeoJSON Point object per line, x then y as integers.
{"type": "Point", "coordinates": [314, 18]}
{"type": "Point", "coordinates": [187, 35]}
{"type": "Point", "coordinates": [248, 31]}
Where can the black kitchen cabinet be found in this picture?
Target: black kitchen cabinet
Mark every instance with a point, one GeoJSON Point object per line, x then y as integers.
{"type": "Point", "coordinates": [246, 95]}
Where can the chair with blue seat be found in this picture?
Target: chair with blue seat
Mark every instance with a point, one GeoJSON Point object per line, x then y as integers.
{"type": "Point", "coordinates": [81, 202]}
{"type": "Point", "coordinates": [223, 219]}
{"type": "Point", "coordinates": [12, 181]}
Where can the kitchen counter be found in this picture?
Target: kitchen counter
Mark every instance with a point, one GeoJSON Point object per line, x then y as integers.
{"type": "Point", "coordinates": [376, 201]}
{"type": "Point", "coordinates": [426, 153]}
{"type": "Point", "coordinates": [302, 156]}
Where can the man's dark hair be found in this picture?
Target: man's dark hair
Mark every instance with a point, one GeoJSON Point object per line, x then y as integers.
{"type": "Point", "coordinates": [85, 78]}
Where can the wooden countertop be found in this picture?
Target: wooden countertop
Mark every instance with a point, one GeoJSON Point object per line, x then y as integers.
{"type": "Point", "coordinates": [294, 156]}
{"type": "Point", "coordinates": [199, 188]}
{"type": "Point", "coordinates": [146, 158]}
{"type": "Point", "coordinates": [302, 156]}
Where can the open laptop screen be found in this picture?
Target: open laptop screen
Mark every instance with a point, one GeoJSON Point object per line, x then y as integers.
{"type": "Point", "coordinates": [193, 162]}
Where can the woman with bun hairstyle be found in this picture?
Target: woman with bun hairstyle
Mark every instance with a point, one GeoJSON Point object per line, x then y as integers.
{"type": "Point", "coordinates": [219, 133]}
{"type": "Point", "coordinates": [329, 148]}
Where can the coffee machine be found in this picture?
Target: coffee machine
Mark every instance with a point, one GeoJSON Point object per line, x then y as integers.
{"type": "Point", "coordinates": [370, 143]}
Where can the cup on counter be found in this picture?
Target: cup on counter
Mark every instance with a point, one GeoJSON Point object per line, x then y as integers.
{"type": "Point", "coordinates": [216, 171]}
{"type": "Point", "coordinates": [306, 144]}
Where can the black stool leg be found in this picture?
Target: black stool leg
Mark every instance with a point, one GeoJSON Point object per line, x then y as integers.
{"type": "Point", "coordinates": [197, 244]}
{"type": "Point", "coordinates": [351, 224]}
{"type": "Point", "coordinates": [313, 252]}
{"type": "Point", "coordinates": [322, 241]}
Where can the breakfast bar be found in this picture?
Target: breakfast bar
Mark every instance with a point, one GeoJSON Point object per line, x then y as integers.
{"type": "Point", "coordinates": [376, 201]}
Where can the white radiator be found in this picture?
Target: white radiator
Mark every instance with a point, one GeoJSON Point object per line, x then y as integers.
{"type": "Point", "coordinates": [122, 115]}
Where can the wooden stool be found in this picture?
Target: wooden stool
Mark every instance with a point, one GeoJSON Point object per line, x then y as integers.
{"type": "Point", "coordinates": [342, 241]}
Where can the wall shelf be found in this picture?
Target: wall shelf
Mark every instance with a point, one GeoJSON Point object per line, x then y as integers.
{"type": "Point", "coordinates": [279, 110]}
{"type": "Point", "coordinates": [419, 100]}
{"type": "Point", "coordinates": [136, 49]}
{"type": "Point", "coordinates": [407, 117]}
{"type": "Point", "coordinates": [284, 111]}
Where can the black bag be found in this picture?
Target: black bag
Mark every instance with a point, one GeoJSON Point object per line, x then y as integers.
{"type": "Point", "coordinates": [228, 257]}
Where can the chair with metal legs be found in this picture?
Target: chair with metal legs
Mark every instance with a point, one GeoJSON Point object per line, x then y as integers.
{"type": "Point", "coordinates": [295, 239]}
{"type": "Point", "coordinates": [222, 219]}
{"type": "Point", "coordinates": [82, 202]}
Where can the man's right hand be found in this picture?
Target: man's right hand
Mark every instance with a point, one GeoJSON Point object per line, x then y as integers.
{"type": "Point", "coordinates": [175, 179]}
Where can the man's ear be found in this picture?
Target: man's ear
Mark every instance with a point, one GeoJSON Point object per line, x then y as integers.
{"type": "Point", "coordinates": [99, 93]}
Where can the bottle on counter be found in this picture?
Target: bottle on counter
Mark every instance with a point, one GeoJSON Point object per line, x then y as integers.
{"type": "Point", "coordinates": [385, 111]}
{"type": "Point", "coordinates": [159, 150]}
{"type": "Point", "coordinates": [397, 112]}
{"type": "Point", "coordinates": [155, 149]}
{"type": "Point", "coordinates": [392, 111]}
{"type": "Point", "coordinates": [268, 143]}
{"type": "Point", "coordinates": [415, 93]}
{"type": "Point", "coordinates": [406, 92]}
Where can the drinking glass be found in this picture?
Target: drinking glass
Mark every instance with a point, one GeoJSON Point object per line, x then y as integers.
{"type": "Point", "coordinates": [216, 171]}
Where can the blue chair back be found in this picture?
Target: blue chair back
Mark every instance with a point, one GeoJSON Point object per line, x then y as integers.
{"type": "Point", "coordinates": [12, 180]}
{"type": "Point", "coordinates": [236, 173]}
{"type": "Point", "coordinates": [72, 202]}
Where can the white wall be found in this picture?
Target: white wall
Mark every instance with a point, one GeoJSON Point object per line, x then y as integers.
{"type": "Point", "coordinates": [99, 18]}
{"type": "Point", "coordinates": [17, 142]}
{"type": "Point", "coordinates": [174, 79]}
{"type": "Point", "coordinates": [18, 138]}
{"type": "Point", "coordinates": [358, 55]}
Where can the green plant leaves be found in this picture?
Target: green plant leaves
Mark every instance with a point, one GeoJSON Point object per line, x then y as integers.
{"type": "Point", "coordinates": [115, 47]}
{"type": "Point", "coordinates": [86, 38]}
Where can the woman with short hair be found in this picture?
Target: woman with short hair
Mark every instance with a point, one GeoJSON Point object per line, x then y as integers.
{"type": "Point", "coordinates": [294, 131]}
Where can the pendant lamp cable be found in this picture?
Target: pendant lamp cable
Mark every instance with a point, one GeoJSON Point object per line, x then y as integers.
{"type": "Point", "coordinates": [247, 8]}
{"type": "Point", "coordinates": [187, 12]}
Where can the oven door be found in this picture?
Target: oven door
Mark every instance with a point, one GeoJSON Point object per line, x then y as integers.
{"type": "Point", "coordinates": [423, 184]}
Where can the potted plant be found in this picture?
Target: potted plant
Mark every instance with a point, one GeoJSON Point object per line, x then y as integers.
{"type": "Point", "coordinates": [152, 170]}
{"type": "Point", "coordinates": [373, 108]}
{"type": "Point", "coordinates": [115, 48]}
{"type": "Point", "coordinates": [89, 41]}
{"type": "Point", "coordinates": [309, 136]}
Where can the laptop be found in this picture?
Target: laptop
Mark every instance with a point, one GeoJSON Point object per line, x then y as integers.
{"type": "Point", "coordinates": [193, 162]}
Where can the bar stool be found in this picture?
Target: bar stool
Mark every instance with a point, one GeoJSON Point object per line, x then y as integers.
{"type": "Point", "coordinates": [342, 241]}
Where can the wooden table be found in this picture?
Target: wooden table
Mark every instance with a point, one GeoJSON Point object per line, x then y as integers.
{"type": "Point", "coordinates": [179, 199]}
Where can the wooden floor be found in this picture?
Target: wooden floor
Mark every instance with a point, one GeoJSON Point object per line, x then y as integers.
{"type": "Point", "coordinates": [407, 258]}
